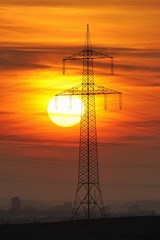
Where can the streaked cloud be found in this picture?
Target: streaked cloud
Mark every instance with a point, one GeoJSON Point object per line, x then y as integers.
{"type": "Point", "coordinates": [47, 57]}
{"type": "Point", "coordinates": [81, 3]}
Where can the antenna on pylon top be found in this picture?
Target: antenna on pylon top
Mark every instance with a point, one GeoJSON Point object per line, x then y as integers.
{"type": "Point", "coordinates": [88, 45]}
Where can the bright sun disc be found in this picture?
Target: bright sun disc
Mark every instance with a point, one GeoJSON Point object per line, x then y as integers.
{"type": "Point", "coordinates": [65, 111]}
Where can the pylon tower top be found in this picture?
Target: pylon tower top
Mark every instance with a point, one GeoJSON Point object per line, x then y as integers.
{"type": "Point", "coordinates": [88, 44]}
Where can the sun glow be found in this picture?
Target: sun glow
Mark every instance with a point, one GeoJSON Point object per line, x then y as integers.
{"type": "Point", "coordinates": [65, 111]}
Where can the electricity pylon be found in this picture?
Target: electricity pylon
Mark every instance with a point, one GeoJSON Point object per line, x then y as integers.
{"type": "Point", "coordinates": [88, 198]}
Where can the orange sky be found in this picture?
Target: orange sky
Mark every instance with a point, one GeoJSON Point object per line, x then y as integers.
{"type": "Point", "coordinates": [41, 158]}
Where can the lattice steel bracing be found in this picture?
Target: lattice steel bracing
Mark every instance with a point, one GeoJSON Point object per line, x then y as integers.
{"type": "Point", "coordinates": [88, 198]}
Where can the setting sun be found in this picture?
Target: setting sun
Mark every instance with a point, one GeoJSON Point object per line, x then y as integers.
{"type": "Point", "coordinates": [65, 111]}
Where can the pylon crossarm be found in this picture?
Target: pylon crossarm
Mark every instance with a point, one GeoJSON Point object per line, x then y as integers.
{"type": "Point", "coordinates": [87, 54]}
{"type": "Point", "coordinates": [77, 90]}
{"type": "Point", "coordinates": [98, 90]}
{"type": "Point", "coordinates": [103, 90]}
{"type": "Point", "coordinates": [98, 55]}
{"type": "Point", "coordinates": [75, 56]}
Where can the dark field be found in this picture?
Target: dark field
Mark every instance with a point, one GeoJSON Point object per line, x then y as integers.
{"type": "Point", "coordinates": [137, 228]}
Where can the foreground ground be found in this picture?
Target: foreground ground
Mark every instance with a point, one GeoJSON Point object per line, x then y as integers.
{"type": "Point", "coordinates": [132, 228]}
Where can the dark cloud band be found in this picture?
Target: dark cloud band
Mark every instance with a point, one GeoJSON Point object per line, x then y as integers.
{"type": "Point", "coordinates": [78, 3]}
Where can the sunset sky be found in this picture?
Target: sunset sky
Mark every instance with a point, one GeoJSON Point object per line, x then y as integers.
{"type": "Point", "coordinates": [40, 159]}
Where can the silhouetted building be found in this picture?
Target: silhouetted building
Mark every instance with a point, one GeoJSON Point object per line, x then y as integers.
{"type": "Point", "coordinates": [16, 203]}
{"type": "Point", "coordinates": [68, 206]}
{"type": "Point", "coordinates": [107, 210]}
{"type": "Point", "coordinates": [133, 210]}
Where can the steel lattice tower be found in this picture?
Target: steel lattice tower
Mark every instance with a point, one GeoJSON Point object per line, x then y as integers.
{"type": "Point", "coordinates": [88, 196]}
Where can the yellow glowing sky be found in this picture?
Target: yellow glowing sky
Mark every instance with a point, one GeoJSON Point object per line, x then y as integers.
{"type": "Point", "coordinates": [34, 37]}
